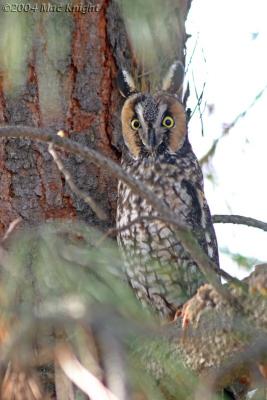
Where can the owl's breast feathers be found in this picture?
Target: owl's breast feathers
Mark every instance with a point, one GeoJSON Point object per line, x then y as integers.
{"type": "Point", "coordinates": [160, 270]}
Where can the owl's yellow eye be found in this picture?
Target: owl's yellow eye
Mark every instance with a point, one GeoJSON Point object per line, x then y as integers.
{"type": "Point", "coordinates": [135, 124]}
{"type": "Point", "coordinates": [168, 121]}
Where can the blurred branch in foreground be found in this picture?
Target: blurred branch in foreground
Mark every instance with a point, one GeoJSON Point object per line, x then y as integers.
{"type": "Point", "coordinates": [58, 288]}
{"type": "Point", "coordinates": [190, 243]}
{"type": "Point", "coordinates": [241, 260]}
{"type": "Point", "coordinates": [77, 311]}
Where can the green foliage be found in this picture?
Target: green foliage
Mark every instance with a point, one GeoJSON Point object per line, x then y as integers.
{"type": "Point", "coordinates": [62, 277]}
{"type": "Point", "coordinates": [16, 33]}
{"type": "Point", "coordinates": [155, 32]}
{"type": "Point", "coordinates": [40, 38]}
{"type": "Point", "coordinates": [240, 260]}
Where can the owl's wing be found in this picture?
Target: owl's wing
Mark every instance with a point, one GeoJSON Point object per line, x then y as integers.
{"type": "Point", "coordinates": [200, 220]}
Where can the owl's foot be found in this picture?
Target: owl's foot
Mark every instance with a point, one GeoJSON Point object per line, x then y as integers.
{"type": "Point", "coordinates": [178, 313]}
{"type": "Point", "coordinates": [181, 313]}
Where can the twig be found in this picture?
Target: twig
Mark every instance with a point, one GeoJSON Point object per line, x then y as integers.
{"type": "Point", "coordinates": [11, 228]}
{"type": "Point", "coordinates": [63, 385]}
{"type": "Point", "coordinates": [239, 219]}
{"type": "Point", "coordinates": [199, 100]}
{"type": "Point", "coordinates": [227, 128]}
{"type": "Point", "coordinates": [190, 243]}
{"type": "Point", "coordinates": [4, 256]}
{"type": "Point", "coordinates": [73, 310]}
{"type": "Point", "coordinates": [114, 362]}
{"type": "Point", "coordinates": [231, 278]}
{"type": "Point", "coordinates": [192, 54]}
{"type": "Point", "coordinates": [137, 220]}
{"type": "Point", "coordinates": [84, 196]}
{"type": "Point", "coordinates": [151, 70]}
{"type": "Point", "coordinates": [83, 378]}
{"type": "Point", "coordinates": [211, 151]}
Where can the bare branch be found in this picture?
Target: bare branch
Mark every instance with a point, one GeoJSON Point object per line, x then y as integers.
{"type": "Point", "coordinates": [232, 279]}
{"type": "Point", "coordinates": [199, 101]}
{"type": "Point", "coordinates": [11, 229]}
{"type": "Point", "coordinates": [4, 256]}
{"type": "Point", "coordinates": [211, 151]}
{"type": "Point", "coordinates": [84, 196]}
{"type": "Point", "coordinates": [138, 220]}
{"type": "Point", "coordinates": [78, 374]}
{"type": "Point", "coordinates": [239, 219]}
{"type": "Point", "coordinates": [228, 127]}
{"type": "Point", "coordinates": [63, 386]}
{"type": "Point", "coordinates": [192, 54]}
{"type": "Point", "coordinates": [206, 265]}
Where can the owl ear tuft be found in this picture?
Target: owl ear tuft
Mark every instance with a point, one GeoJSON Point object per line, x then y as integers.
{"type": "Point", "coordinates": [173, 80]}
{"type": "Point", "coordinates": [125, 83]}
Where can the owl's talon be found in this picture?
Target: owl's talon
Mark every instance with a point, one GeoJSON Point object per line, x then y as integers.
{"type": "Point", "coordinates": [185, 316]}
{"type": "Point", "coordinates": [178, 314]}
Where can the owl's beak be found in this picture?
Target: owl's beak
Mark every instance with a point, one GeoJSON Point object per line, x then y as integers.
{"type": "Point", "coordinates": [152, 142]}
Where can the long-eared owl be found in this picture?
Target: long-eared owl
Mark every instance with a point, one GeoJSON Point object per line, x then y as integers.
{"type": "Point", "coordinates": [158, 153]}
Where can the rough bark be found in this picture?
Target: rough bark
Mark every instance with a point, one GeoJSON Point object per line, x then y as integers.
{"type": "Point", "coordinates": [73, 88]}
{"type": "Point", "coordinates": [69, 85]}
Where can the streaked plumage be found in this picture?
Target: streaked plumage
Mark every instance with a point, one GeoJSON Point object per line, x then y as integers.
{"type": "Point", "coordinates": [159, 269]}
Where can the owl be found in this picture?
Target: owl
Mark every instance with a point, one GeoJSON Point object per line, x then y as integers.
{"type": "Point", "coordinates": [157, 152]}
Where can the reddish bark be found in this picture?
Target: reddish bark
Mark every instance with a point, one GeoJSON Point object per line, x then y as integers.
{"type": "Point", "coordinates": [75, 92]}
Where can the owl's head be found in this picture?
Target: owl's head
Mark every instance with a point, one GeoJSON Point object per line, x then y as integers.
{"type": "Point", "coordinates": [153, 124]}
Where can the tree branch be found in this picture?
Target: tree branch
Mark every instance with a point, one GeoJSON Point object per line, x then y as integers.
{"type": "Point", "coordinates": [228, 127]}
{"type": "Point", "coordinates": [239, 219]}
{"type": "Point", "coordinates": [205, 264]}
{"type": "Point", "coordinates": [231, 279]}
{"type": "Point", "coordinates": [81, 376]}
{"type": "Point", "coordinates": [137, 220]}
{"type": "Point", "coordinates": [84, 196]}
{"type": "Point", "coordinates": [237, 365]}
{"type": "Point", "coordinates": [220, 345]}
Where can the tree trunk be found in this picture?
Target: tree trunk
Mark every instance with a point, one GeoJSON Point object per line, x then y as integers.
{"type": "Point", "coordinates": [67, 70]}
